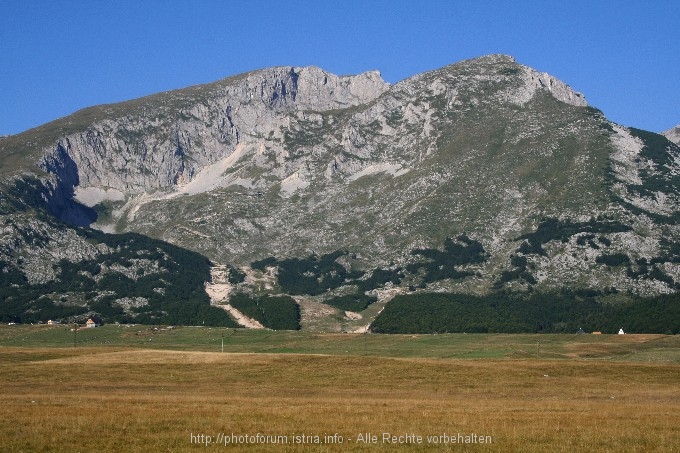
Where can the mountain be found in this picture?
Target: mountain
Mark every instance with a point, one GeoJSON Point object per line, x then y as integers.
{"type": "Point", "coordinates": [482, 179]}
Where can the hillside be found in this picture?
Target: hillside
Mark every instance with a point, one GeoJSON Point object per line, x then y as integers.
{"type": "Point", "coordinates": [481, 178]}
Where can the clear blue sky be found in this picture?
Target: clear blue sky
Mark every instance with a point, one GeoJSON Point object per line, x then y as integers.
{"type": "Point", "coordinates": [59, 56]}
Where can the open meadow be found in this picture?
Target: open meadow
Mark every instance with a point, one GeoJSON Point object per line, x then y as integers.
{"type": "Point", "coordinates": [141, 388]}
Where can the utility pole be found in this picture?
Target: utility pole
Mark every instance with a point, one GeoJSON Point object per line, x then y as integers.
{"type": "Point", "coordinates": [75, 333]}
{"type": "Point", "coordinates": [222, 341]}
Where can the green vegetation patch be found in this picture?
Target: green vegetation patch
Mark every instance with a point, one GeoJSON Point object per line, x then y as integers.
{"type": "Point", "coordinates": [351, 302]}
{"type": "Point", "coordinates": [657, 176]}
{"type": "Point", "coordinates": [316, 274]}
{"type": "Point", "coordinates": [379, 278]}
{"type": "Point", "coordinates": [236, 276]}
{"type": "Point", "coordinates": [20, 196]}
{"type": "Point", "coordinates": [616, 259]}
{"type": "Point", "coordinates": [506, 312]}
{"type": "Point", "coordinates": [312, 275]}
{"type": "Point", "coordinates": [661, 153]}
{"type": "Point", "coordinates": [552, 229]}
{"type": "Point", "coordinates": [274, 312]}
{"type": "Point", "coordinates": [440, 265]}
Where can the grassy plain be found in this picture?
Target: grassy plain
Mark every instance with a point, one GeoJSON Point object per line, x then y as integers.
{"type": "Point", "coordinates": [139, 389]}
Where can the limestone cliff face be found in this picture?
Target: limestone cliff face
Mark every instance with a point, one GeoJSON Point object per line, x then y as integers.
{"type": "Point", "coordinates": [166, 141]}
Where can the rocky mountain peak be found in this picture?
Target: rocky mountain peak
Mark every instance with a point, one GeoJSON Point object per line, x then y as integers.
{"type": "Point", "coordinates": [557, 88]}
{"type": "Point", "coordinates": [320, 90]}
{"type": "Point", "coordinates": [493, 59]}
{"type": "Point", "coordinates": [673, 134]}
{"type": "Point", "coordinates": [514, 82]}
{"type": "Point", "coordinates": [302, 88]}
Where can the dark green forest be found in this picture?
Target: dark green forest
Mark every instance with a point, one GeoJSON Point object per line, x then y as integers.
{"type": "Point", "coordinates": [507, 312]}
{"type": "Point", "coordinates": [274, 312]}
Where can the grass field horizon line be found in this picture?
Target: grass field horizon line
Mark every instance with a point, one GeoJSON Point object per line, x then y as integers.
{"type": "Point", "coordinates": [631, 347]}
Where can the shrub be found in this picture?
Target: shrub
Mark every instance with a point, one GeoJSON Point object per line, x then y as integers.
{"type": "Point", "coordinates": [616, 259]}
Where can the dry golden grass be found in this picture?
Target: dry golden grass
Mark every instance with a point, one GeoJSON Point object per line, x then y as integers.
{"type": "Point", "coordinates": [99, 399]}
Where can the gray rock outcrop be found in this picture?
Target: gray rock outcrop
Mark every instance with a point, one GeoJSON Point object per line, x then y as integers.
{"type": "Point", "coordinates": [673, 134]}
{"type": "Point", "coordinates": [166, 141]}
